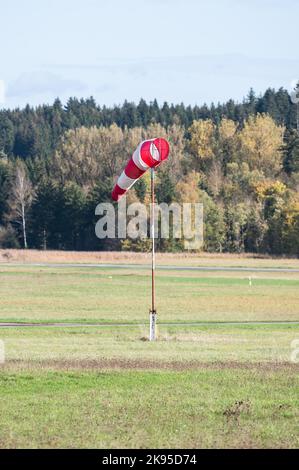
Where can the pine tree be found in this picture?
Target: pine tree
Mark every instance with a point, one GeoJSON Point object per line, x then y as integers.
{"type": "Point", "coordinates": [291, 152]}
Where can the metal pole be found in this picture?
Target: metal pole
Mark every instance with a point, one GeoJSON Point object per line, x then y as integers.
{"type": "Point", "coordinates": [153, 313]}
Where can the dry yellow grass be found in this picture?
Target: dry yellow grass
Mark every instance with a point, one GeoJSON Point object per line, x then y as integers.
{"type": "Point", "coordinates": [183, 259]}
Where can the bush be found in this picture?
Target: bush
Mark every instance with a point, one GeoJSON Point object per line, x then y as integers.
{"type": "Point", "coordinates": [8, 238]}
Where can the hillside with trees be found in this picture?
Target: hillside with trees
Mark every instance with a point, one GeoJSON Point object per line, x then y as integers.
{"type": "Point", "coordinates": [240, 159]}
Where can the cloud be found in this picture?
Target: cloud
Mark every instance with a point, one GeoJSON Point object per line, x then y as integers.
{"type": "Point", "coordinates": [104, 88]}
{"type": "Point", "coordinates": [227, 64]}
{"type": "Point", "coordinates": [43, 82]}
{"type": "Point", "coordinates": [189, 79]}
{"type": "Point", "coordinates": [2, 92]}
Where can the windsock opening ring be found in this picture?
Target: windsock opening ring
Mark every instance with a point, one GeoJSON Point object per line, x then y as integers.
{"type": "Point", "coordinates": [149, 154]}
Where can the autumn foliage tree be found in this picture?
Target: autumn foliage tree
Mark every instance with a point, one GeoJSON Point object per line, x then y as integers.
{"type": "Point", "coordinates": [241, 160]}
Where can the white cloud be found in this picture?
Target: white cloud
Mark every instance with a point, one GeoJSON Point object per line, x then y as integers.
{"type": "Point", "coordinates": [40, 82]}
{"type": "Point", "coordinates": [193, 79]}
{"type": "Point", "coordinates": [2, 92]}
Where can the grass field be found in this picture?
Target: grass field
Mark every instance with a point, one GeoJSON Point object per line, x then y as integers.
{"type": "Point", "coordinates": [119, 409]}
{"type": "Point", "coordinates": [208, 385]}
{"type": "Point", "coordinates": [44, 294]}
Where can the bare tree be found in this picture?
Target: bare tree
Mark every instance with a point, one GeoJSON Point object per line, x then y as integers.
{"type": "Point", "coordinates": [21, 198]}
{"type": "Point", "coordinates": [215, 177]}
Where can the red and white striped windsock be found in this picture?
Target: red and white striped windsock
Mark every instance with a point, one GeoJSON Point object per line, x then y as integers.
{"type": "Point", "coordinates": [149, 154]}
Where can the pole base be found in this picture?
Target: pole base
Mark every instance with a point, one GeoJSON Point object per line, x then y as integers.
{"type": "Point", "coordinates": [153, 315]}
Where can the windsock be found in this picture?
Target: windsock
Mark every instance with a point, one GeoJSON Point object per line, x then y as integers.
{"type": "Point", "coordinates": [149, 154]}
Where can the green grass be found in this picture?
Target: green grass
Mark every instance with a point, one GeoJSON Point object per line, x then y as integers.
{"type": "Point", "coordinates": [103, 295]}
{"type": "Point", "coordinates": [214, 385]}
{"type": "Point", "coordinates": [149, 409]}
{"type": "Point", "coordinates": [105, 387]}
{"type": "Point", "coordinates": [219, 343]}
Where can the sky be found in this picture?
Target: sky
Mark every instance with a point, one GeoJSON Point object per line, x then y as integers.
{"type": "Point", "coordinates": [191, 51]}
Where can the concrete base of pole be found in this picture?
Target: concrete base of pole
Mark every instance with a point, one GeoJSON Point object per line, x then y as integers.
{"type": "Point", "coordinates": [153, 316]}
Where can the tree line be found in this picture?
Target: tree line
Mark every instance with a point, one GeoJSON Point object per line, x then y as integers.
{"type": "Point", "coordinates": [240, 159]}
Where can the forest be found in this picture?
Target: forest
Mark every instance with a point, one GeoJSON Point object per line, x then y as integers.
{"type": "Point", "coordinates": [240, 159]}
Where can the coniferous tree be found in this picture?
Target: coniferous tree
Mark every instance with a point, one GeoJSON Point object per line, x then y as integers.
{"type": "Point", "coordinates": [291, 152]}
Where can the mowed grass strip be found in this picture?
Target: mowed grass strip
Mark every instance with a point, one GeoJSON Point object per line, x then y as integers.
{"type": "Point", "coordinates": [136, 409]}
{"type": "Point", "coordinates": [205, 344]}
{"type": "Point", "coordinates": [103, 295]}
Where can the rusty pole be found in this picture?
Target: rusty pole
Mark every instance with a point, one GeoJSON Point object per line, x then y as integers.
{"type": "Point", "coordinates": [153, 311]}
